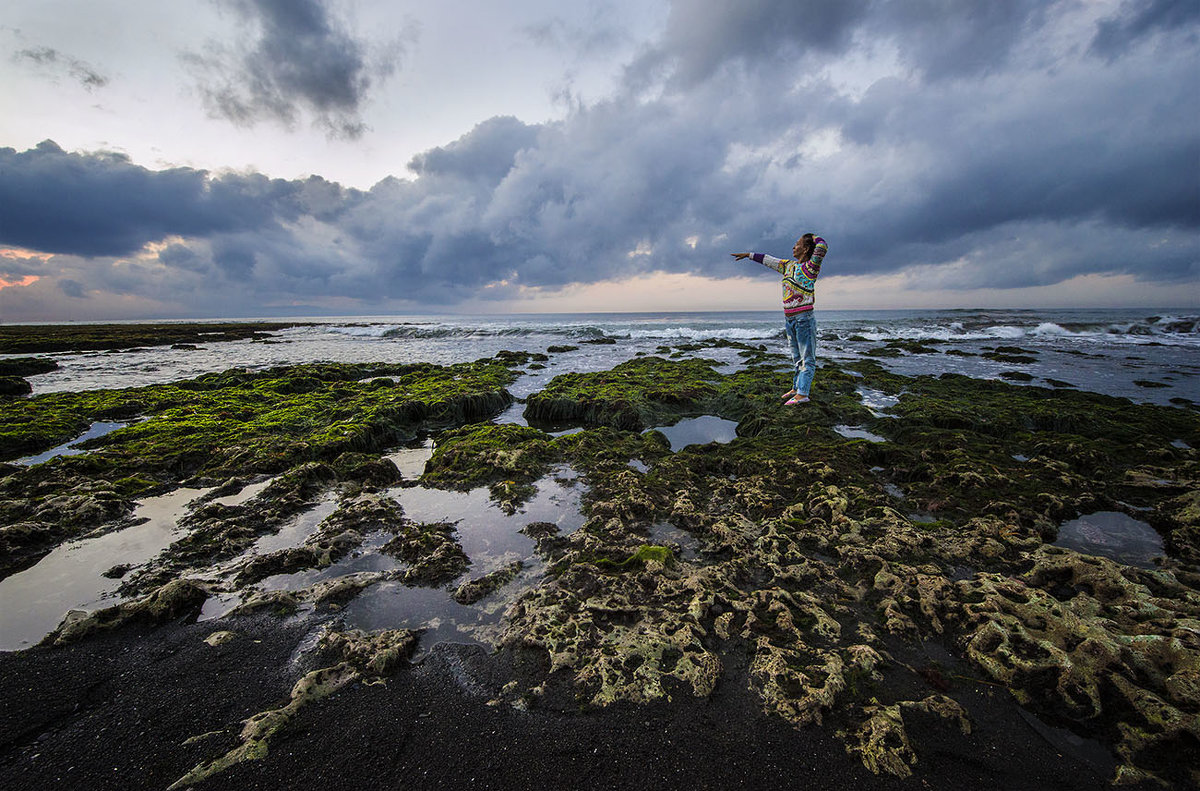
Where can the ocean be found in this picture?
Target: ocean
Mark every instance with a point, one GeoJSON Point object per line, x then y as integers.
{"type": "Point", "coordinates": [1148, 356]}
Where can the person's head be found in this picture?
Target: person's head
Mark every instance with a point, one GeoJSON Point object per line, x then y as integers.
{"type": "Point", "coordinates": [803, 249]}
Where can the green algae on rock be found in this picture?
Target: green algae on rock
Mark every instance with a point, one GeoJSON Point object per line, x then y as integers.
{"type": "Point", "coordinates": [216, 426]}
{"type": "Point", "coordinates": [812, 562]}
{"type": "Point", "coordinates": [805, 559]}
{"type": "Point", "coordinates": [177, 599]}
{"type": "Point", "coordinates": [632, 395]}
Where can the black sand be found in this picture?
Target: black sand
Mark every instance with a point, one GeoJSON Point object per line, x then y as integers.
{"type": "Point", "coordinates": [113, 713]}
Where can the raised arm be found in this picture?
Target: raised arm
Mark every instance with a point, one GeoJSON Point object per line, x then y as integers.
{"type": "Point", "coordinates": [819, 251]}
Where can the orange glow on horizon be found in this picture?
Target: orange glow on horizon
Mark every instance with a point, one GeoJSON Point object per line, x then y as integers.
{"type": "Point", "coordinates": [28, 280]}
{"type": "Point", "coordinates": [21, 254]}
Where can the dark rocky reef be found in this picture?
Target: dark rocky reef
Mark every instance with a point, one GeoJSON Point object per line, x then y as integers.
{"type": "Point", "coordinates": [32, 338]}
{"type": "Point", "coordinates": [205, 430]}
{"type": "Point", "coordinates": [821, 565]}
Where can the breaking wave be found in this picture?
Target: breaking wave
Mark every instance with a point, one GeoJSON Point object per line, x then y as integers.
{"type": "Point", "coordinates": [563, 333]}
{"type": "Point", "coordinates": [1184, 330]}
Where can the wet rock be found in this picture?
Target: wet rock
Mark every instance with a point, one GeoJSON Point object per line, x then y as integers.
{"type": "Point", "coordinates": [279, 602]}
{"type": "Point", "coordinates": [435, 556]}
{"type": "Point", "coordinates": [14, 386]}
{"type": "Point", "coordinates": [118, 571]}
{"type": "Point", "coordinates": [367, 470]}
{"type": "Point", "coordinates": [361, 656]}
{"type": "Point", "coordinates": [545, 536]}
{"type": "Point", "coordinates": [882, 741]}
{"type": "Point", "coordinates": [220, 638]}
{"type": "Point", "coordinates": [472, 591]}
{"type": "Point", "coordinates": [1088, 639]}
{"type": "Point", "coordinates": [176, 599]}
{"type": "Point", "coordinates": [27, 366]}
{"type": "Point", "coordinates": [1181, 516]}
{"type": "Point", "coordinates": [372, 653]}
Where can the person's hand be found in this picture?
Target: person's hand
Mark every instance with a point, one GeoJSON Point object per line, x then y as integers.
{"type": "Point", "coordinates": [740, 256]}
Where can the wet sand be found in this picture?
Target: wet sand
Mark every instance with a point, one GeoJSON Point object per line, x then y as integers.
{"type": "Point", "coordinates": [114, 713]}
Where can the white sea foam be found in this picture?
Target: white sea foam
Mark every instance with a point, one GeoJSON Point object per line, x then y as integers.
{"type": "Point", "coordinates": [362, 331]}
{"type": "Point", "coordinates": [1049, 328]}
{"type": "Point", "coordinates": [693, 333]}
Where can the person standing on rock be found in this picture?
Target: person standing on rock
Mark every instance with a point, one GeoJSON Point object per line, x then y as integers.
{"type": "Point", "coordinates": [799, 284]}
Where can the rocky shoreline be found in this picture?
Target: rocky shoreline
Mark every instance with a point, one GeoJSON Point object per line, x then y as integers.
{"type": "Point", "coordinates": [885, 610]}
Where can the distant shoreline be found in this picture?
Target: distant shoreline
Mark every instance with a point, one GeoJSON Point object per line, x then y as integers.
{"type": "Point", "coordinates": [47, 338]}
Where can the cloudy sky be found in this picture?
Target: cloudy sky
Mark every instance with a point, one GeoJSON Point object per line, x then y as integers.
{"type": "Point", "coordinates": [301, 157]}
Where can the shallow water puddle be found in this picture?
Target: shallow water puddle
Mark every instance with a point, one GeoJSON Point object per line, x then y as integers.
{"type": "Point", "coordinates": [1113, 535]}
{"type": "Point", "coordinates": [490, 538]}
{"type": "Point", "coordinates": [667, 534]}
{"type": "Point", "coordinates": [876, 400]}
{"type": "Point", "coordinates": [297, 531]}
{"type": "Point", "coordinates": [514, 414]}
{"type": "Point", "coordinates": [855, 432]}
{"type": "Point", "coordinates": [33, 602]}
{"type": "Point", "coordinates": [219, 605]}
{"type": "Point", "coordinates": [366, 558]}
{"type": "Point", "coordinates": [98, 429]}
{"type": "Point", "coordinates": [392, 605]}
{"type": "Point", "coordinates": [411, 461]}
{"type": "Point", "coordinates": [248, 491]}
{"type": "Point", "coordinates": [698, 431]}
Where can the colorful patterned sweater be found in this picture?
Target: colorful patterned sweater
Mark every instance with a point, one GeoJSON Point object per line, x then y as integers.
{"type": "Point", "coordinates": [799, 280]}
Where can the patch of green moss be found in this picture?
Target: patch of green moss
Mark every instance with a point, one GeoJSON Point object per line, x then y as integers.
{"type": "Point", "coordinates": [646, 553]}
{"type": "Point", "coordinates": [258, 422]}
{"type": "Point", "coordinates": [628, 396]}
{"type": "Point", "coordinates": [473, 456]}
{"type": "Point", "coordinates": [220, 425]}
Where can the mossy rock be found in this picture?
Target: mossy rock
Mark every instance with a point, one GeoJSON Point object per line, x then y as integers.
{"type": "Point", "coordinates": [27, 366]}
{"type": "Point", "coordinates": [14, 386]}
{"type": "Point", "coordinates": [474, 456]}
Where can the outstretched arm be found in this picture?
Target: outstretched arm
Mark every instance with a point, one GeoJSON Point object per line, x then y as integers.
{"type": "Point", "coordinates": [769, 261]}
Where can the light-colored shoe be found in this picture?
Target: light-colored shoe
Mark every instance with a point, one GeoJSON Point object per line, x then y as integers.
{"type": "Point", "coordinates": [788, 394]}
{"type": "Point", "coordinates": [796, 399]}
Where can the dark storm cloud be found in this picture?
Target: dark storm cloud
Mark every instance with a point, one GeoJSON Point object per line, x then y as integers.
{"type": "Point", "coordinates": [1137, 19]}
{"type": "Point", "coordinates": [940, 39]}
{"type": "Point", "coordinates": [72, 288]}
{"type": "Point", "coordinates": [1014, 155]}
{"type": "Point", "coordinates": [54, 61]}
{"type": "Point", "coordinates": [302, 59]}
{"type": "Point", "coordinates": [102, 204]}
{"type": "Point", "coordinates": [486, 153]}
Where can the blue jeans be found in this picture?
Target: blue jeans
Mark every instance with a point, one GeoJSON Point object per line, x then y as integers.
{"type": "Point", "coordinates": [801, 331]}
